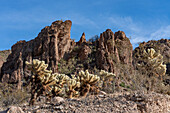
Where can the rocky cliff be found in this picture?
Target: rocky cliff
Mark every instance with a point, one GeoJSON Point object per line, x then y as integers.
{"type": "Point", "coordinates": [108, 52]}
{"type": "Point", "coordinates": [50, 45]}
{"type": "Point", "coordinates": [113, 49]}
{"type": "Point", "coordinates": [54, 46]}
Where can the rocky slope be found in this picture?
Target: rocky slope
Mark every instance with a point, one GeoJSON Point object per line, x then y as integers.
{"type": "Point", "coordinates": [136, 102]}
{"type": "Point", "coordinates": [54, 46]}
{"type": "Point", "coordinates": [110, 51]}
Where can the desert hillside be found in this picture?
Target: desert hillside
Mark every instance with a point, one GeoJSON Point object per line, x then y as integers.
{"type": "Point", "coordinates": [86, 75]}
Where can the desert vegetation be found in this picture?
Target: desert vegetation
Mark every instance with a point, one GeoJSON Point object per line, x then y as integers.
{"type": "Point", "coordinates": [44, 82]}
{"type": "Point", "coordinates": [105, 65]}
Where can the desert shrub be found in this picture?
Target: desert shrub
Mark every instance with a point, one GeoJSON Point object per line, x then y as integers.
{"type": "Point", "coordinates": [67, 67]}
{"type": "Point", "coordinates": [94, 38]}
{"type": "Point", "coordinates": [145, 83]}
{"type": "Point", "coordinates": [10, 96]}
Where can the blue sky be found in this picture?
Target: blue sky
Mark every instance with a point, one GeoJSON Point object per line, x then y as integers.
{"type": "Point", "coordinates": [142, 20]}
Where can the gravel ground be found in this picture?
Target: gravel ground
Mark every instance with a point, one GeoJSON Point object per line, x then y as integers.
{"type": "Point", "coordinates": [104, 103]}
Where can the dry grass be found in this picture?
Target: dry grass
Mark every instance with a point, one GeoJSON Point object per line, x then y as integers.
{"type": "Point", "coordinates": [10, 96]}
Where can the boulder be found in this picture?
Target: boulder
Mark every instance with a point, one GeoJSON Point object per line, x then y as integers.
{"type": "Point", "coordinates": [84, 52]}
{"type": "Point", "coordinates": [57, 100]}
{"type": "Point", "coordinates": [14, 109]}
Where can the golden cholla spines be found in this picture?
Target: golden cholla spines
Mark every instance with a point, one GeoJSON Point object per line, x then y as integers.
{"type": "Point", "coordinates": [72, 84]}
{"type": "Point", "coordinates": [88, 82]}
{"type": "Point", "coordinates": [43, 81]}
{"type": "Point", "coordinates": [88, 78]}
{"type": "Point", "coordinates": [106, 76]}
{"type": "Point", "coordinates": [152, 62]}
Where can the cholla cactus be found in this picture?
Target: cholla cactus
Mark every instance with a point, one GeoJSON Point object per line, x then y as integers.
{"type": "Point", "coordinates": [88, 81]}
{"type": "Point", "coordinates": [46, 83]}
{"type": "Point", "coordinates": [87, 78]}
{"type": "Point", "coordinates": [106, 77]}
{"type": "Point", "coordinates": [43, 81]}
{"type": "Point", "coordinates": [152, 62]}
{"type": "Point", "coordinates": [72, 85]}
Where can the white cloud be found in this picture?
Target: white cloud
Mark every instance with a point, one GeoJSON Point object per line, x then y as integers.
{"type": "Point", "coordinates": [163, 32]}
{"type": "Point", "coordinates": [81, 20]}
{"type": "Point", "coordinates": [140, 32]}
{"type": "Point", "coordinates": [124, 23]}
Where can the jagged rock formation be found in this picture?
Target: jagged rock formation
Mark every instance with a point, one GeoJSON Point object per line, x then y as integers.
{"type": "Point", "coordinates": [162, 45]}
{"type": "Point", "coordinates": [105, 53]}
{"type": "Point", "coordinates": [50, 45]}
{"type": "Point", "coordinates": [84, 51]}
{"type": "Point", "coordinates": [54, 46]}
{"type": "Point", "coordinates": [113, 49]}
{"type": "Point", "coordinates": [82, 39]}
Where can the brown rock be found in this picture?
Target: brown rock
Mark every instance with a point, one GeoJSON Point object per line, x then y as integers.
{"type": "Point", "coordinates": [50, 45]}
{"type": "Point", "coordinates": [84, 52]}
{"type": "Point", "coordinates": [53, 44]}
{"type": "Point", "coordinates": [124, 48]}
{"type": "Point", "coordinates": [57, 100]}
{"type": "Point", "coordinates": [1, 62]}
{"type": "Point", "coordinates": [113, 49]}
{"type": "Point", "coordinates": [82, 39]}
{"type": "Point", "coordinates": [14, 109]}
{"type": "Point", "coordinates": [3, 56]}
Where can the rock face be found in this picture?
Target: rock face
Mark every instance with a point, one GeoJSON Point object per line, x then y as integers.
{"type": "Point", "coordinates": [82, 39]}
{"type": "Point", "coordinates": [162, 45]}
{"type": "Point", "coordinates": [113, 49]}
{"type": "Point", "coordinates": [3, 56]}
{"type": "Point", "coordinates": [50, 45]}
{"type": "Point", "coordinates": [84, 52]}
{"type": "Point", "coordinates": [109, 52]}
{"type": "Point", "coordinates": [53, 45]}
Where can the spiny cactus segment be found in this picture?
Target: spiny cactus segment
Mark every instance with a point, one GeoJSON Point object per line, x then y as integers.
{"type": "Point", "coordinates": [45, 83]}
{"type": "Point", "coordinates": [106, 76]}
{"type": "Point", "coordinates": [88, 82]}
{"type": "Point", "coordinates": [87, 78]}
{"type": "Point", "coordinates": [72, 85]}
